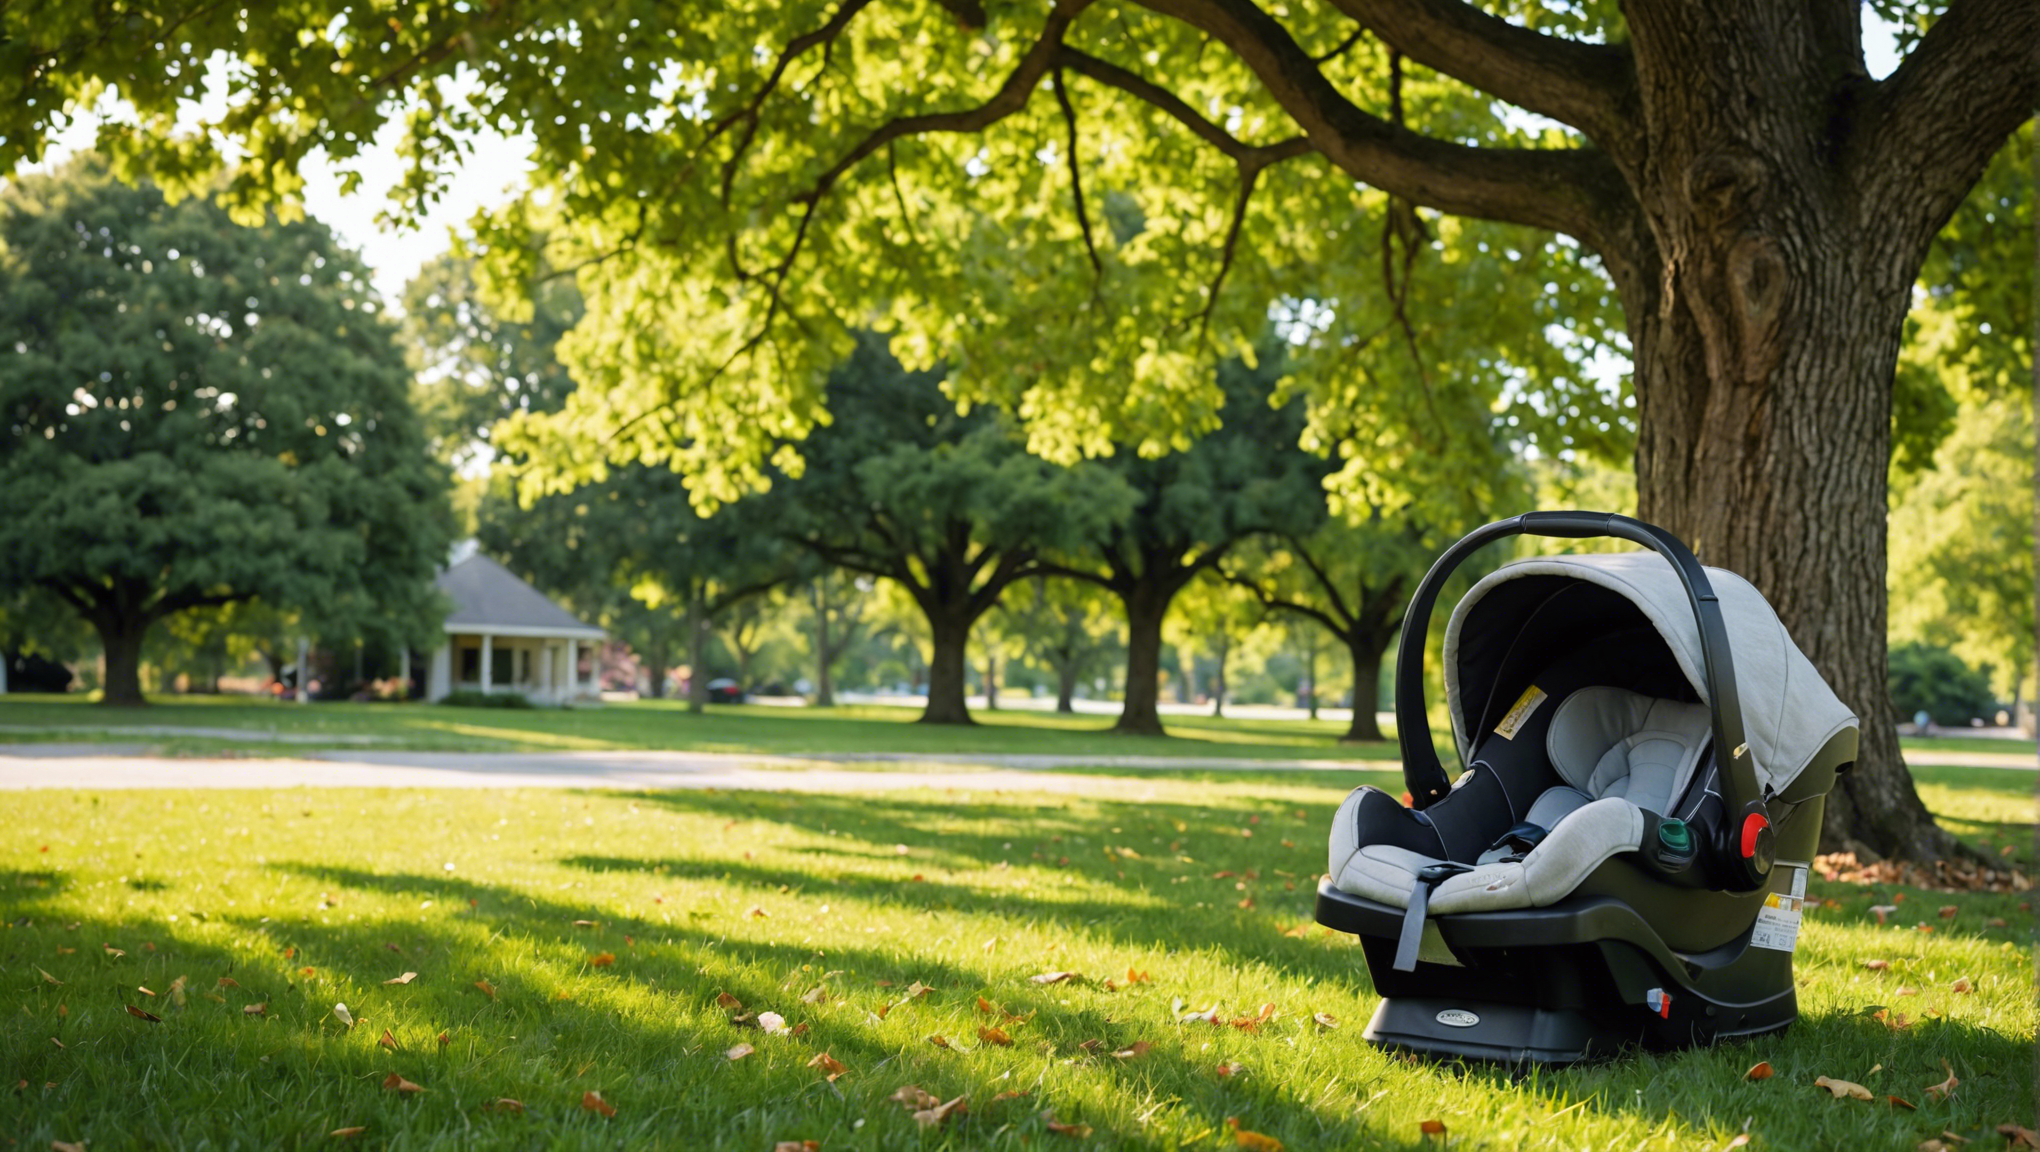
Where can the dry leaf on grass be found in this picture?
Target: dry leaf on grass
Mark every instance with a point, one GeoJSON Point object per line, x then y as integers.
{"type": "Point", "coordinates": [2018, 1137]}
{"type": "Point", "coordinates": [66, 1146]}
{"type": "Point", "coordinates": [1133, 1051]}
{"type": "Point", "coordinates": [1904, 991]}
{"type": "Point", "coordinates": [1962, 985]}
{"type": "Point", "coordinates": [797, 1146]}
{"type": "Point", "coordinates": [445, 1038]}
{"type": "Point", "coordinates": [388, 1041]}
{"type": "Point", "coordinates": [138, 1014]}
{"type": "Point", "coordinates": [995, 1036]}
{"type": "Point", "coordinates": [261, 1009]}
{"type": "Point", "coordinates": [1080, 1131]}
{"type": "Point", "coordinates": [1254, 1140]}
{"type": "Point", "coordinates": [397, 1083]}
{"type": "Point", "coordinates": [1230, 1070]}
{"type": "Point", "coordinates": [1431, 1128]}
{"type": "Point", "coordinates": [728, 1002]}
{"type": "Point", "coordinates": [1325, 1020]}
{"type": "Point", "coordinates": [1945, 1088]}
{"type": "Point", "coordinates": [913, 1098]}
{"type": "Point", "coordinates": [1759, 1071]}
{"type": "Point", "coordinates": [58, 1043]}
{"type": "Point", "coordinates": [1742, 1140]}
{"type": "Point", "coordinates": [1844, 1089]}
{"type": "Point", "coordinates": [772, 1023]}
{"type": "Point", "coordinates": [345, 1133]}
{"type": "Point", "coordinates": [1900, 1102]}
{"type": "Point", "coordinates": [933, 1117]}
{"type": "Point", "coordinates": [1877, 965]}
{"type": "Point", "coordinates": [828, 1064]}
{"type": "Point", "coordinates": [584, 924]}
{"type": "Point", "coordinates": [406, 978]}
{"type": "Point", "coordinates": [487, 988]}
{"type": "Point", "coordinates": [227, 982]}
{"type": "Point", "coordinates": [1055, 977]}
{"type": "Point", "coordinates": [592, 1101]}
{"type": "Point", "coordinates": [602, 960]}
{"type": "Point", "coordinates": [939, 1040]}
{"type": "Point", "coordinates": [504, 1104]}
{"type": "Point", "coordinates": [143, 990]}
{"type": "Point", "coordinates": [341, 1014]}
{"type": "Point", "coordinates": [739, 1052]}
{"type": "Point", "coordinates": [815, 995]}
{"type": "Point", "coordinates": [1133, 977]}
{"type": "Point", "coordinates": [1948, 911]}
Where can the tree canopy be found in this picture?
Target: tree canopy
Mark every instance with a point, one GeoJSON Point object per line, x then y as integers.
{"type": "Point", "coordinates": [199, 413]}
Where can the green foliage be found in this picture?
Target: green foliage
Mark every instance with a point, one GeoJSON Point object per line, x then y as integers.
{"type": "Point", "coordinates": [198, 413]}
{"type": "Point", "coordinates": [1933, 680]}
{"type": "Point", "coordinates": [472, 698]}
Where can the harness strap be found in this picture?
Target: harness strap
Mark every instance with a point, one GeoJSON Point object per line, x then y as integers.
{"type": "Point", "coordinates": [1413, 920]}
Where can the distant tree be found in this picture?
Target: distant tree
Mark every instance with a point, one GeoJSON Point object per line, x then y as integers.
{"type": "Point", "coordinates": [902, 486]}
{"type": "Point", "coordinates": [1930, 679]}
{"type": "Point", "coordinates": [1247, 476]}
{"type": "Point", "coordinates": [197, 413]}
{"type": "Point", "coordinates": [1064, 625]}
{"type": "Point", "coordinates": [1212, 617]}
{"type": "Point", "coordinates": [838, 619]}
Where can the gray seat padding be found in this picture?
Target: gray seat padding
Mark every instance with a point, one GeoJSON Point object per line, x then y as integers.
{"type": "Point", "coordinates": [1620, 753]}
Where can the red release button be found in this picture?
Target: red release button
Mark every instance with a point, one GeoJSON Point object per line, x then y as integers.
{"type": "Point", "coordinates": [1753, 826]}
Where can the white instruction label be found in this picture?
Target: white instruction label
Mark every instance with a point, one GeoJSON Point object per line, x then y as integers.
{"type": "Point", "coordinates": [1778, 920]}
{"type": "Point", "coordinates": [1526, 704]}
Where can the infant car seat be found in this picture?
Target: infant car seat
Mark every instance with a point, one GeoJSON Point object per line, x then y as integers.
{"type": "Point", "coordinates": [1623, 859]}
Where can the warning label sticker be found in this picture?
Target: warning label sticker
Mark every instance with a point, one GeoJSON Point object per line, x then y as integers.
{"type": "Point", "coordinates": [1526, 705]}
{"type": "Point", "coordinates": [1778, 920]}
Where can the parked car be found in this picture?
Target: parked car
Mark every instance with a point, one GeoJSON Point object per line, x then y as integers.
{"type": "Point", "coordinates": [725, 691]}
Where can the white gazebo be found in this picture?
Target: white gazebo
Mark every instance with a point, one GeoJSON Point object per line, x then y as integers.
{"type": "Point", "coordinates": [503, 635]}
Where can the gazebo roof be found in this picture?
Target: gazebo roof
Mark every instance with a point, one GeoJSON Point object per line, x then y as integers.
{"type": "Point", "coordinates": [489, 598]}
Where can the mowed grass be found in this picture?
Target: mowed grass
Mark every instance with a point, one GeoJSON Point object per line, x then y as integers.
{"type": "Point", "coordinates": [652, 724]}
{"type": "Point", "coordinates": [828, 910]}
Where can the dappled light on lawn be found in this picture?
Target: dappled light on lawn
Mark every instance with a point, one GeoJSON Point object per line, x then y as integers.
{"type": "Point", "coordinates": [1033, 971]}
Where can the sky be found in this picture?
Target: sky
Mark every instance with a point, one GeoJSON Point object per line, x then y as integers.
{"type": "Point", "coordinates": [496, 172]}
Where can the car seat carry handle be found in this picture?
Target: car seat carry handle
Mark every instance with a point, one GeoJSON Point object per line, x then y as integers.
{"type": "Point", "coordinates": [1749, 835]}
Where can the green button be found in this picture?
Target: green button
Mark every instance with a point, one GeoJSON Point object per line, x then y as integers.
{"type": "Point", "coordinates": [1674, 835]}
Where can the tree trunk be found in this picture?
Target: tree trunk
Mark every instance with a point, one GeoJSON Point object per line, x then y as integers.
{"type": "Point", "coordinates": [121, 641]}
{"type": "Point", "coordinates": [991, 679]}
{"type": "Point", "coordinates": [1145, 605]}
{"type": "Point", "coordinates": [1066, 687]}
{"type": "Point", "coordinates": [1366, 650]}
{"type": "Point", "coordinates": [825, 693]}
{"type": "Point", "coordinates": [950, 632]}
{"type": "Point", "coordinates": [1310, 648]}
{"type": "Point", "coordinates": [1222, 652]}
{"type": "Point", "coordinates": [697, 649]}
{"type": "Point", "coordinates": [655, 667]}
{"type": "Point", "coordinates": [1765, 351]}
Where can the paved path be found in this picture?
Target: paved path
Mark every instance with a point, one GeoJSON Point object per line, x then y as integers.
{"type": "Point", "coordinates": [104, 767]}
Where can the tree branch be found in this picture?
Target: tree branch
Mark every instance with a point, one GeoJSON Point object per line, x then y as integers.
{"type": "Point", "coordinates": [748, 114]}
{"type": "Point", "coordinates": [1933, 125]}
{"type": "Point", "coordinates": [1069, 113]}
{"type": "Point", "coordinates": [1589, 86]}
{"type": "Point", "coordinates": [1578, 191]}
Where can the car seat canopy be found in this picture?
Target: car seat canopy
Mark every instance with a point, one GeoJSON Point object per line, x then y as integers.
{"type": "Point", "coordinates": [1505, 628]}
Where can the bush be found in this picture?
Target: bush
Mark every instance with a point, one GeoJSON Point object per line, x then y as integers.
{"type": "Point", "coordinates": [468, 698]}
{"type": "Point", "coordinates": [1928, 678]}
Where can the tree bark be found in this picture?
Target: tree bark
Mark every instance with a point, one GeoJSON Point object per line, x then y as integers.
{"type": "Point", "coordinates": [1146, 605]}
{"type": "Point", "coordinates": [120, 638]}
{"type": "Point", "coordinates": [1223, 652]}
{"type": "Point", "coordinates": [1066, 687]}
{"type": "Point", "coordinates": [1366, 649]}
{"type": "Point", "coordinates": [991, 679]}
{"type": "Point", "coordinates": [1766, 322]}
{"type": "Point", "coordinates": [697, 650]}
{"type": "Point", "coordinates": [655, 667]}
{"type": "Point", "coordinates": [950, 633]}
{"type": "Point", "coordinates": [825, 692]}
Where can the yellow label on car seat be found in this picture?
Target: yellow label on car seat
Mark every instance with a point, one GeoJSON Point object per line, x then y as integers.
{"type": "Point", "coordinates": [1526, 705]}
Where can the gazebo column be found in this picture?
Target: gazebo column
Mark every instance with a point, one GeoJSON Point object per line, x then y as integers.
{"type": "Point", "coordinates": [547, 688]}
{"type": "Point", "coordinates": [488, 662]}
{"type": "Point", "coordinates": [573, 676]}
{"type": "Point", "coordinates": [404, 670]}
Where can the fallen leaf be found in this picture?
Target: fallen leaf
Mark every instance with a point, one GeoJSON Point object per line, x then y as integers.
{"type": "Point", "coordinates": [1843, 1089]}
{"type": "Point", "coordinates": [916, 990]}
{"type": "Point", "coordinates": [1300, 931]}
{"type": "Point", "coordinates": [261, 1009]}
{"type": "Point", "coordinates": [396, 1083]}
{"type": "Point", "coordinates": [341, 1014]}
{"type": "Point", "coordinates": [114, 952]}
{"type": "Point", "coordinates": [1997, 922]}
{"type": "Point", "coordinates": [1897, 1102]}
{"type": "Point", "coordinates": [503, 1104]}
{"type": "Point", "coordinates": [1054, 977]}
{"type": "Point", "coordinates": [345, 1133]}
{"type": "Point", "coordinates": [1877, 965]}
{"type": "Point", "coordinates": [1904, 991]}
{"type": "Point", "coordinates": [144, 991]}
{"type": "Point", "coordinates": [57, 1042]}
{"type": "Point", "coordinates": [797, 1146]}
{"type": "Point", "coordinates": [138, 1014]}
{"type": "Point", "coordinates": [1080, 1131]}
{"type": "Point", "coordinates": [1759, 1071]}
{"type": "Point", "coordinates": [445, 1038]}
{"type": "Point", "coordinates": [592, 1101]}
{"type": "Point", "coordinates": [584, 923]}
{"type": "Point", "coordinates": [227, 982]}
{"type": "Point", "coordinates": [406, 978]}
{"type": "Point", "coordinates": [1091, 1045]}
{"type": "Point", "coordinates": [1231, 1069]}
{"type": "Point", "coordinates": [829, 1064]}
{"type": "Point", "coordinates": [739, 1052]}
{"type": "Point", "coordinates": [933, 1117]}
{"type": "Point", "coordinates": [995, 1036]}
{"type": "Point", "coordinates": [65, 1145]}
{"type": "Point", "coordinates": [1326, 1020]}
{"type": "Point", "coordinates": [1133, 977]}
{"type": "Point", "coordinates": [728, 1002]}
{"type": "Point", "coordinates": [602, 960]}
{"type": "Point", "coordinates": [1962, 985]}
{"type": "Point", "coordinates": [772, 1023]}
{"type": "Point", "coordinates": [1948, 911]}
{"type": "Point", "coordinates": [758, 913]}
{"type": "Point", "coordinates": [2019, 1137]}
{"type": "Point", "coordinates": [1255, 1140]}
{"type": "Point", "coordinates": [388, 1041]}
{"type": "Point", "coordinates": [939, 1041]}
{"type": "Point", "coordinates": [1945, 1088]}
{"type": "Point", "coordinates": [487, 988]}
{"type": "Point", "coordinates": [1133, 1051]}
{"type": "Point", "coordinates": [49, 979]}
{"type": "Point", "coordinates": [815, 995]}
{"type": "Point", "coordinates": [913, 1098]}
{"type": "Point", "coordinates": [1742, 1140]}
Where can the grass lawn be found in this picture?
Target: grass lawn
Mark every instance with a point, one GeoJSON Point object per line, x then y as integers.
{"type": "Point", "coordinates": [654, 724]}
{"type": "Point", "coordinates": [606, 926]}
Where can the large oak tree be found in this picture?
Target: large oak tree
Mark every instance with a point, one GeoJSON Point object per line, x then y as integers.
{"type": "Point", "coordinates": [1760, 204]}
